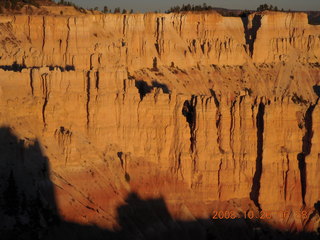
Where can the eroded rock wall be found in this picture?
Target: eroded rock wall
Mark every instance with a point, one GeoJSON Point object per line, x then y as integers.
{"type": "Point", "coordinates": [198, 108]}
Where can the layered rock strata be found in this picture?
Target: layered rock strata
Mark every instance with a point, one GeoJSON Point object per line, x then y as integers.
{"type": "Point", "coordinates": [210, 112]}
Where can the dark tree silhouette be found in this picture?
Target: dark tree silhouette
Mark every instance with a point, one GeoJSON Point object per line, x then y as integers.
{"type": "Point", "coordinates": [189, 7]}
{"type": "Point", "coordinates": [105, 9]}
{"type": "Point", "coordinates": [68, 3]}
{"type": "Point", "coordinates": [264, 7]}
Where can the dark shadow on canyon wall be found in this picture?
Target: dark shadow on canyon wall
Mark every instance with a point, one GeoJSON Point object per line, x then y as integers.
{"type": "Point", "coordinates": [27, 198]}
{"type": "Point", "coordinates": [28, 208]}
{"type": "Point", "coordinates": [15, 67]}
{"type": "Point", "coordinates": [27, 201]}
{"type": "Point", "coordinates": [251, 33]}
{"type": "Point", "coordinates": [314, 17]}
{"type": "Point", "coordinates": [316, 90]}
{"type": "Point", "coordinates": [144, 88]}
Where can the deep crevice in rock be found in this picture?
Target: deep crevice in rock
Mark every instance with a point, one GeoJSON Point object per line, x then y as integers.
{"type": "Point", "coordinates": [45, 92]}
{"type": "Point", "coordinates": [97, 80]}
{"type": "Point", "coordinates": [31, 83]}
{"type": "Point", "coordinates": [189, 111]}
{"type": "Point", "coordinates": [159, 32]}
{"type": "Point", "coordinates": [306, 149]}
{"type": "Point", "coordinates": [255, 190]}
{"type": "Point", "coordinates": [88, 98]}
{"type": "Point", "coordinates": [286, 177]}
{"type": "Point", "coordinates": [120, 154]}
{"type": "Point", "coordinates": [218, 119]}
{"type": "Point", "coordinates": [214, 95]}
{"type": "Point", "coordinates": [251, 33]}
{"type": "Point", "coordinates": [44, 32]}
{"type": "Point", "coordinates": [231, 131]}
{"type": "Point", "coordinates": [124, 25]}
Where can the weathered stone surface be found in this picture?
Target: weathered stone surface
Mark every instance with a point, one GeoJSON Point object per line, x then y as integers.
{"type": "Point", "coordinates": [197, 108]}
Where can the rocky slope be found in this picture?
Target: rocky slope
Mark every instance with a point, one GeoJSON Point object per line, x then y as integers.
{"type": "Point", "coordinates": [209, 112]}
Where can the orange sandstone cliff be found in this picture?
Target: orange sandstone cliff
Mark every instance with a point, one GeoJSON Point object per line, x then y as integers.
{"type": "Point", "coordinates": [208, 112]}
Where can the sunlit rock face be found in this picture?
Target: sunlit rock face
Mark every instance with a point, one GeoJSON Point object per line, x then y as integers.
{"type": "Point", "coordinates": [207, 112]}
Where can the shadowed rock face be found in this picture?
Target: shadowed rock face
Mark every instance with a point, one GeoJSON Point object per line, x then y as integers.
{"type": "Point", "coordinates": [27, 197]}
{"type": "Point", "coordinates": [28, 207]}
{"type": "Point", "coordinates": [204, 112]}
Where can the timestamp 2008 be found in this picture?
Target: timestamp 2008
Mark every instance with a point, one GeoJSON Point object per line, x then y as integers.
{"type": "Point", "coordinates": [258, 215]}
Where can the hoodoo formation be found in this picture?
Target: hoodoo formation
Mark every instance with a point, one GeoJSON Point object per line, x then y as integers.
{"type": "Point", "coordinates": [205, 112]}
